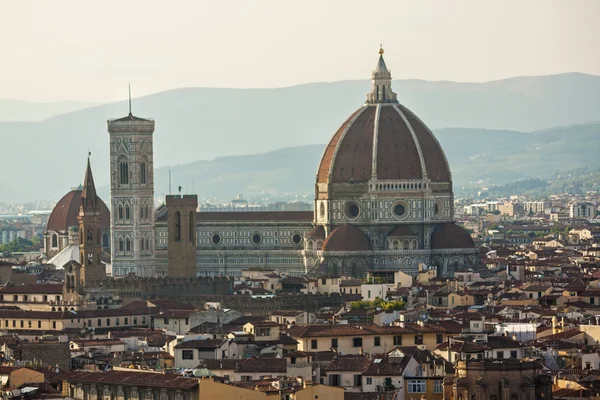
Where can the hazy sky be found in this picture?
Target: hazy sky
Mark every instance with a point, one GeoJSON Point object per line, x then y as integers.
{"type": "Point", "coordinates": [89, 50]}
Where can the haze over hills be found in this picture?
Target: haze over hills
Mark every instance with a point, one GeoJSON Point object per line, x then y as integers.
{"type": "Point", "coordinates": [17, 110]}
{"type": "Point", "coordinates": [475, 155]}
{"type": "Point", "coordinates": [209, 124]}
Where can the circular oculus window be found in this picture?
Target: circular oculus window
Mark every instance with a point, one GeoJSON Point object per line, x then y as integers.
{"type": "Point", "coordinates": [351, 210]}
{"type": "Point", "coordinates": [256, 238]}
{"type": "Point", "coordinates": [400, 210]}
{"type": "Point", "coordinates": [296, 238]}
{"type": "Point", "coordinates": [215, 239]}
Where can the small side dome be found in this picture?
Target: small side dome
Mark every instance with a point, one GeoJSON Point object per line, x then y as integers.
{"type": "Point", "coordinates": [317, 233]}
{"type": "Point", "coordinates": [347, 238]}
{"type": "Point", "coordinates": [451, 236]}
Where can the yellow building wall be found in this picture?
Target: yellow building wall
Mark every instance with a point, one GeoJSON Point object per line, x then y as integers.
{"type": "Point", "coordinates": [25, 375]}
{"type": "Point", "coordinates": [319, 392]}
{"type": "Point", "coordinates": [210, 390]}
{"type": "Point", "coordinates": [346, 343]}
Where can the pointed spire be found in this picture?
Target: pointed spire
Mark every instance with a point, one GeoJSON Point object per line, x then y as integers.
{"type": "Point", "coordinates": [381, 67]}
{"type": "Point", "coordinates": [88, 195]}
{"type": "Point", "coordinates": [381, 90]}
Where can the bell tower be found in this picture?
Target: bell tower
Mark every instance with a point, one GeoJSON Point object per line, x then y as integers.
{"type": "Point", "coordinates": [90, 244]}
{"type": "Point", "coordinates": [132, 195]}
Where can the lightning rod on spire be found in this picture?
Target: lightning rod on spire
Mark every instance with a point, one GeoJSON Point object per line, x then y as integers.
{"type": "Point", "coordinates": [130, 99]}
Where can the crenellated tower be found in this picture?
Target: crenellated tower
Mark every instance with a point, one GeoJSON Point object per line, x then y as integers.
{"type": "Point", "coordinates": [132, 195]}
{"type": "Point", "coordinates": [182, 235]}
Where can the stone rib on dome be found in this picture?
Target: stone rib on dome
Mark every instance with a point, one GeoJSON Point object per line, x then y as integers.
{"type": "Point", "coordinates": [347, 238]}
{"type": "Point", "coordinates": [64, 215]}
{"type": "Point", "coordinates": [451, 236]}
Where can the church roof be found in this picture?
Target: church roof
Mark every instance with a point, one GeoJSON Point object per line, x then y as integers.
{"type": "Point", "coordinates": [130, 117]}
{"type": "Point", "coordinates": [347, 238]}
{"type": "Point", "coordinates": [451, 236]}
{"type": "Point", "coordinates": [401, 230]}
{"type": "Point", "coordinates": [69, 253]}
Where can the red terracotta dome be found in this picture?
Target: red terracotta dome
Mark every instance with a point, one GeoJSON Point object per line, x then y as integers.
{"type": "Point", "coordinates": [64, 215]}
{"type": "Point", "coordinates": [404, 148]}
{"type": "Point", "coordinates": [451, 236]}
{"type": "Point", "coordinates": [347, 238]}
{"type": "Point", "coordinates": [383, 140]}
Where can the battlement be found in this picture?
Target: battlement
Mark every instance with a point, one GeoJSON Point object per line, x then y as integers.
{"type": "Point", "coordinates": [130, 124]}
{"type": "Point", "coordinates": [179, 200]}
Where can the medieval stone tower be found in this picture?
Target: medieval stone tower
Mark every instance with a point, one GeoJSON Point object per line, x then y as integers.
{"type": "Point", "coordinates": [182, 235]}
{"type": "Point", "coordinates": [90, 244]}
{"type": "Point", "coordinates": [132, 195]}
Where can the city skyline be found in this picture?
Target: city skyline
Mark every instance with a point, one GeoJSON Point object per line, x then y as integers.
{"type": "Point", "coordinates": [77, 52]}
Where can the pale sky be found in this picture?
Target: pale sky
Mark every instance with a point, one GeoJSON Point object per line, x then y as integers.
{"type": "Point", "coordinates": [89, 50]}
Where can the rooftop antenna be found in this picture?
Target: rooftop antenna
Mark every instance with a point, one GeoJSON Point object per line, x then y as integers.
{"type": "Point", "coordinates": [130, 99]}
{"type": "Point", "coordinates": [169, 182]}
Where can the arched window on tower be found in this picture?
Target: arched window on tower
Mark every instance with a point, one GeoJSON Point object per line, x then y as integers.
{"type": "Point", "coordinates": [177, 226]}
{"type": "Point", "coordinates": [121, 249]}
{"type": "Point", "coordinates": [120, 211]}
{"type": "Point", "coordinates": [126, 211]}
{"type": "Point", "coordinates": [146, 212]}
{"type": "Point", "coordinates": [143, 244]}
{"type": "Point", "coordinates": [143, 172]}
{"type": "Point", "coordinates": [123, 172]}
{"type": "Point", "coordinates": [127, 245]}
{"type": "Point", "coordinates": [90, 237]}
{"type": "Point", "coordinates": [105, 240]}
{"type": "Point", "coordinates": [148, 244]}
{"type": "Point", "coordinates": [54, 240]}
{"type": "Point", "coordinates": [191, 226]}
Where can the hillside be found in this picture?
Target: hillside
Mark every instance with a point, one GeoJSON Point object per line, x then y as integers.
{"type": "Point", "coordinates": [477, 158]}
{"type": "Point", "coordinates": [17, 110]}
{"type": "Point", "coordinates": [210, 124]}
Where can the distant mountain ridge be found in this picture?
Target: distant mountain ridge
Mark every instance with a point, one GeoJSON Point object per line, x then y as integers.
{"type": "Point", "coordinates": [207, 123]}
{"type": "Point", "coordinates": [18, 110]}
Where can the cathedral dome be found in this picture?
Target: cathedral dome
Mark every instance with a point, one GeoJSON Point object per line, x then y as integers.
{"type": "Point", "coordinates": [64, 215]}
{"type": "Point", "coordinates": [451, 236]}
{"type": "Point", "coordinates": [347, 238]}
{"type": "Point", "coordinates": [383, 141]}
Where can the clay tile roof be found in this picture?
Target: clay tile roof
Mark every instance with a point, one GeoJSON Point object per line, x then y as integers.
{"type": "Point", "coordinates": [349, 363]}
{"type": "Point", "coordinates": [288, 216]}
{"type": "Point", "coordinates": [347, 238]}
{"type": "Point", "coordinates": [33, 288]}
{"type": "Point", "coordinates": [451, 236]}
{"type": "Point", "coordinates": [200, 344]}
{"type": "Point", "coordinates": [317, 233]}
{"type": "Point", "coordinates": [131, 379]}
{"type": "Point", "coordinates": [64, 215]}
{"type": "Point", "coordinates": [387, 366]}
{"type": "Point", "coordinates": [276, 365]}
{"type": "Point", "coordinates": [401, 230]}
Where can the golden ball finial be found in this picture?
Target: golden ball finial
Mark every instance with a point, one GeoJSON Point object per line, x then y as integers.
{"type": "Point", "coordinates": [380, 49]}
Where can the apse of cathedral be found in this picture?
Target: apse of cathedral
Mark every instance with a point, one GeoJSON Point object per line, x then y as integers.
{"type": "Point", "coordinates": [383, 200]}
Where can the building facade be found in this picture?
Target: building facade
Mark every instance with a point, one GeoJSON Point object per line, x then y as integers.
{"type": "Point", "coordinates": [132, 196]}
